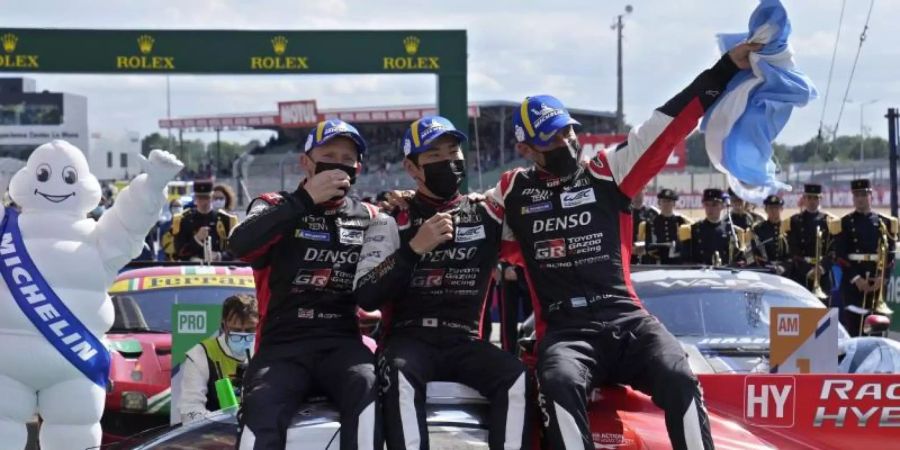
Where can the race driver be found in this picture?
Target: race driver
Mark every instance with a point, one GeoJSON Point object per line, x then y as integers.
{"type": "Point", "coordinates": [304, 247]}
{"type": "Point", "coordinates": [571, 223]}
{"type": "Point", "coordinates": [433, 263]}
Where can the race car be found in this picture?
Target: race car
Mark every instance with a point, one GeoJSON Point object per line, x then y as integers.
{"type": "Point", "coordinates": [723, 318]}
{"type": "Point", "coordinates": [140, 339]}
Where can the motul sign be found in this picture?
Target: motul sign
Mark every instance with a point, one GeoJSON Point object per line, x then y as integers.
{"type": "Point", "coordinates": [297, 114]}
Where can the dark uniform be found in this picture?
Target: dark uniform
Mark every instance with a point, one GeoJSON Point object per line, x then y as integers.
{"type": "Point", "coordinates": [714, 243]}
{"type": "Point", "coordinates": [769, 242]}
{"type": "Point", "coordinates": [746, 219]}
{"type": "Point", "coordinates": [639, 216]}
{"type": "Point", "coordinates": [857, 241]}
{"type": "Point", "coordinates": [801, 232]}
{"type": "Point", "coordinates": [660, 235]}
{"type": "Point", "coordinates": [186, 225]}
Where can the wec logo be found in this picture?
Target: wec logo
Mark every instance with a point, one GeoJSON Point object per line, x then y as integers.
{"type": "Point", "coordinates": [770, 400]}
{"type": "Point", "coordinates": [578, 198]}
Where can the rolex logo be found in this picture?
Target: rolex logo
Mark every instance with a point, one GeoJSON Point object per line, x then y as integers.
{"type": "Point", "coordinates": [411, 44]}
{"type": "Point", "coordinates": [145, 61]}
{"type": "Point", "coordinates": [18, 61]}
{"type": "Point", "coordinates": [9, 42]}
{"type": "Point", "coordinates": [280, 61]}
{"type": "Point", "coordinates": [145, 43]}
{"type": "Point", "coordinates": [279, 44]}
{"type": "Point", "coordinates": [412, 61]}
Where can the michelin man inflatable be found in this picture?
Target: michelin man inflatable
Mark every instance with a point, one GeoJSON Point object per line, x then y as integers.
{"type": "Point", "coordinates": [56, 266]}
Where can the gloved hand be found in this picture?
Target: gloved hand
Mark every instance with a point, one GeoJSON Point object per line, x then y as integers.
{"type": "Point", "coordinates": [161, 167]}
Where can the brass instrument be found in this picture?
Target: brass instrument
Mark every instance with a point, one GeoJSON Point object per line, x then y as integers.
{"type": "Point", "coordinates": [717, 260]}
{"type": "Point", "coordinates": [817, 284]}
{"type": "Point", "coordinates": [875, 298]}
{"type": "Point", "coordinates": [207, 250]}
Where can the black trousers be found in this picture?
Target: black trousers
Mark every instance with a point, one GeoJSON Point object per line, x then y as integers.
{"type": "Point", "coordinates": [279, 380]}
{"type": "Point", "coordinates": [413, 357]}
{"type": "Point", "coordinates": [637, 351]}
{"type": "Point", "coordinates": [514, 295]}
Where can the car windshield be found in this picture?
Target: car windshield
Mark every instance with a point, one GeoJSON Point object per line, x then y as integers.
{"type": "Point", "coordinates": [151, 310]}
{"type": "Point", "coordinates": [718, 313]}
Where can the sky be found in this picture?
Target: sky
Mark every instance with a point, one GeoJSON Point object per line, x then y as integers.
{"type": "Point", "coordinates": [516, 48]}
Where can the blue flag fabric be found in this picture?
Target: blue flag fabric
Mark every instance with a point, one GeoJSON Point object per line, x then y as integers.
{"type": "Point", "coordinates": [756, 105]}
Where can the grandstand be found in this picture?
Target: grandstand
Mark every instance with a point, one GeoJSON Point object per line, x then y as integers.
{"type": "Point", "coordinates": [273, 166]}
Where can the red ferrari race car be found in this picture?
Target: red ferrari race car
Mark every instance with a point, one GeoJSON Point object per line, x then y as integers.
{"type": "Point", "coordinates": [141, 342]}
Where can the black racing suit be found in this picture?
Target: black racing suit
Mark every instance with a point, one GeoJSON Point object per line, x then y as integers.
{"type": "Point", "coordinates": [574, 236]}
{"type": "Point", "coordinates": [433, 306]}
{"type": "Point", "coordinates": [304, 259]}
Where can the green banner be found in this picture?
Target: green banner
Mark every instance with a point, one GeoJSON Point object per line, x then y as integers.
{"type": "Point", "coordinates": [190, 325]}
{"type": "Point", "coordinates": [232, 51]}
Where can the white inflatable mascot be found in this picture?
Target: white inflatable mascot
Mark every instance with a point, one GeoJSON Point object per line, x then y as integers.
{"type": "Point", "coordinates": [56, 266]}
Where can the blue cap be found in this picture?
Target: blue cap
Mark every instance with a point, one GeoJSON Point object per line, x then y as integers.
{"type": "Point", "coordinates": [331, 128]}
{"type": "Point", "coordinates": [539, 118]}
{"type": "Point", "coordinates": [423, 132]}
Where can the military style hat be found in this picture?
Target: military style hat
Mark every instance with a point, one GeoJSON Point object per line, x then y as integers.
{"type": "Point", "coordinates": [773, 200]}
{"type": "Point", "coordinates": [812, 189]}
{"type": "Point", "coordinates": [667, 194]}
{"type": "Point", "coordinates": [713, 194]}
{"type": "Point", "coordinates": [203, 187]}
{"type": "Point", "coordinates": [862, 184]}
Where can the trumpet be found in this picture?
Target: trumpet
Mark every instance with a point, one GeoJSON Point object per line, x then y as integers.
{"type": "Point", "coordinates": [817, 283]}
{"type": "Point", "coordinates": [717, 260]}
{"type": "Point", "coordinates": [875, 297]}
{"type": "Point", "coordinates": [207, 250]}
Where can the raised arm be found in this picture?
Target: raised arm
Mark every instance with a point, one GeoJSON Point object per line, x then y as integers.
{"type": "Point", "coordinates": [121, 230]}
{"type": "Point", "coordinates": [649, 145]}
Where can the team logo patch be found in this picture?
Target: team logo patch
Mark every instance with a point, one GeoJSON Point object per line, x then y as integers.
{"type": "Point", "coordinates": [313, 235]}
{"type": "Point", "coordinates": [428, 278]}
{"type": "Point", "coordinates": [312, 277]}
{"type": "Point", "coordinates": [469, 234]}
{"type": "Point", "coordinates": [537, 208]}
{"type": "Point", "coordinates": [577, 198]}
{"type": "Point", "coordinates": [351, 237]}
{"type": "Point", "coordinates": [550, 249]}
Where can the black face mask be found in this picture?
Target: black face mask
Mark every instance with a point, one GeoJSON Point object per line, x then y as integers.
{"type": "Point", "coordinates": [563, 160]}
{"type": "Point", "coordinates": [443, 178]}
{"type": "Point", "coordinates": [349, 170]}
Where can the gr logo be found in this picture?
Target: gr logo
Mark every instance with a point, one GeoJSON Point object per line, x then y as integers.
{"type": "Point", "coordinates": [315, 278]}
{"type": "Point", "coordinates": [550, 249]}
{"type": "Point", "coordinates": [770, 401]}
{"type": "Point", "coordinates": [428, 278]}
{"type": "Point", "coordinates": [192, 322]}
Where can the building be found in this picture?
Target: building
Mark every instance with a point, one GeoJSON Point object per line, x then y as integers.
{"type": "Point", "coordinates": [29, 118]}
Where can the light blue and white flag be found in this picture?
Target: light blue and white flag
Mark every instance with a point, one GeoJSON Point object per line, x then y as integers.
{"type": "Point", "coordinates": [756, 105]}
